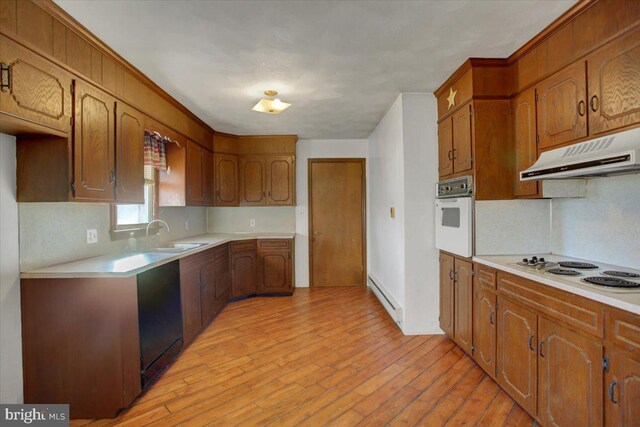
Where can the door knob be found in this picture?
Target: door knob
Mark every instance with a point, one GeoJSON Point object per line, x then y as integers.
{"type": "Point", "coordinates": [316, 233]}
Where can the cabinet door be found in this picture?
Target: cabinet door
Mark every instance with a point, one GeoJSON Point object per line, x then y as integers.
{"type": "Point", "coordinates": [37, 91]}
{"type": "Point", "coordinates": [516, 358]}
{"type": "Point", "coordinates": [280, 181]}
{"type": "Point", "coordinates": [274, 271]}
{"type": "Point", "coordinates": [207, 178]}
{"type": "Point", "coordinates": [623, 388]}
{"type": "Point", "coordinates": [462, 140]}
{"type": "Point", "coordinates": [243, 273]}
{"type": "Point", "coordinates": [208, 297]}
{"type": "Point", "coordinates": [524, 125]}
{"type": "Point", "coordinates": [446, 294]}
{"type": "Point", "coordinates": [562, 108]}
{"type": "Point", "coordinates": [93, 142]}
{"type": "Point", "coordinates": [570, 378]}
{"type": "Point", "coordinates": [252, 181]}
{"type": "Point", "coordinates": [484, 330]}
{"type": "Point", "coordinates": [129, 155]}
{"type": "Point", "coordinates": [194, 174]}
{"type": "Point", "coordinates": [226, 179]}
{"type": "Point", "coordinates": [463, 304]}
{"type": "Point", "coordinates": [614, 84]}
{"type": "Point", "coordinates": [190, 293]}
{"type": "Point", "coordinates": [445, 147]}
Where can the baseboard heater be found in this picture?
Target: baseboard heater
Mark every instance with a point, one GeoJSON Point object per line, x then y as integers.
{"type": "Point", "coordinates": [387, 301]}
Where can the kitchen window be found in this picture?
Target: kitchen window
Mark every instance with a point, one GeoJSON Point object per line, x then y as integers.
{"type": "Point", "coordinates": [136, 217]}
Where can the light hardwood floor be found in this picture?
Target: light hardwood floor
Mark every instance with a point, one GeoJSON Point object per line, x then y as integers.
{"type": "Point", "coordinates": [321, 357]}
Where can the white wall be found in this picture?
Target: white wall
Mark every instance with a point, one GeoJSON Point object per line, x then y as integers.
{"type": "Point", "coordinates": [604, 226]}
{"type": "Point", "coordinates": [236, 220]}
{"type": "Point", "coordinates": [311, 149]}
{"type": "Point", "coordinates": [420, 154]}
{"type": "Point", "coordinates": [10, 329]}
{"type": "Point", "coordinates": [386, 190]}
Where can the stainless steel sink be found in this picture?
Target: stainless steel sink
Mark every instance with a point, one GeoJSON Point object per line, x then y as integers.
{"type": "Point", "coordinates": [175, 247]}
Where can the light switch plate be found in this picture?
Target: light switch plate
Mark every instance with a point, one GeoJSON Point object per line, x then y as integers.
{"type": "Point", "coordinates": [186, 225]}
{"type": "Point", "coordinates": [252, 222]}
{"type": "Point", "coordinates": [92, 236]}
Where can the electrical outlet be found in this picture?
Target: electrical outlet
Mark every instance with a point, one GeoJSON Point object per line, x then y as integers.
{"type": "Point", "coordinates": [186, 225]}
{"type": "Point", "coordinates": [92, 236]}
{"type": "Point", "coordinates": [252, 222]}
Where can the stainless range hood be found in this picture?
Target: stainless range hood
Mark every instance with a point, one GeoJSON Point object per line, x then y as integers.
{"type": "Point", "coordinates": [609, 155]}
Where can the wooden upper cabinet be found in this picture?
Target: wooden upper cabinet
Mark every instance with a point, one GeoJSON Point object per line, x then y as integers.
{"type": "Point", "coordinates": [207, 178]}
{"type": "Point", "coordinates": [614, 84]}
{"type": "Point", "coordinates": [562, 106]}
{"type": "Point", "coordinates": [226, 179]}
{"type": "Point", "coordinates": [570, 380]}
{"type": "Point", "coordinates": [280, 180]}
{"type": "Point", "coordinates": [516, 356]}
{"type": "Point", "coordinates": [129, 155]}
{"type": "Point", "coordinates": [484, 329]}
{"type": "Point", "coordinates": [446, 294]}
{"type": "Point", "coordinates": [463, 297]}
{"type": "Point", "coordinates": [194, 174]}
{"type": "Point", "coordinates": [622, 388]}
{"type": "Point", "coordinates": [93, 140]}
{"type": "Point", "coordinates": [524, 127]}
{"type": "Point", "coordinates": [462, 139]}
{"type": "Point", "coordinates": [252, 181]}
{"type": "Point", "coordinates": [445, 147]}
{"type": "Point", "coordinates": [33, 89]}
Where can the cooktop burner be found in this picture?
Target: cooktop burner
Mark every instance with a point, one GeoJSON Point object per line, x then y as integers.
{"type": "Point", "coordinates": [624, 274]}
{"type": "Point", "coordinates": [575, 264]}
{"type": "Point", "coordinates": [564, 272]}
{"type": "Point", "coordinates": [612, 282]}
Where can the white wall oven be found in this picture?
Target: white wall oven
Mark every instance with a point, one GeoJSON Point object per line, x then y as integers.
{"type": "Point", "coordinates": [454, 216]}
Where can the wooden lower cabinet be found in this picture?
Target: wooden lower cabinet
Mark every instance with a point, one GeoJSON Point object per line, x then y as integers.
{"type": "Point", "coordinates": [447, 301]}
{"type": "Point", "coordinates": [463, 297]}
{"type": "Point", "coordinates": [484, 329]}
{"type": "Point", "coordinates": [516, 353]}
{"type": "Point", "coordinates": [274, 267]}
{"type": "Point", "coordinates": [244, 273]}
{"type": "Point", "coordinates": [622, 388]}
{"type": "Point", "coordinates": [570, 377]}
{"type": "Point", "coordinates": [190, 288]}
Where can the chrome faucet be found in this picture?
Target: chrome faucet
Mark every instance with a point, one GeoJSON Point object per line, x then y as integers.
{"type": "Point", "coordinates": [157, 220]}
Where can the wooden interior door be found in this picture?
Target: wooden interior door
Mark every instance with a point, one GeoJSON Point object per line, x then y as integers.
{"type": "Point", "coordinates": [280, 180]}
{"type": "Point", "coordinates": [524, 123]}
{"type": "Point", "coordinates": [447, 301]}
{"type": "Point", "coordinates": [252, 181]}
{"type": "Point", "coordinates": [517, 358]}
{"type": "Point", "coordinates": [614, 84]}
{"type": "Point", "coordinates": [194, 174]}
{"type": "Point", "coordinates": [462, 140]}
{"type": "Point", "coordinates": [94, 144]}
{"type": "Point", "coordinates": [463, 290]}
{"type": "Point", "coordinates": [445, 147]}
{"type": "Point", "coordinates": [337, 252]}
{"type": "Point", "coordinates": [570, 381]}
{"type": "Point", "coordinates": [623, 388]}
{"type": "Point", "coordinates": [484, 330]}
{"type": "Point", "coordinates": [562, 107]}
{"type": "Point", "coordinates": [129, 155]}
{"type": "Point", "coordinates": [226, 179]}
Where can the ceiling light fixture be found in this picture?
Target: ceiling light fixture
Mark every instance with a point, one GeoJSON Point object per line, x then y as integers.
{"type": "Point", "coordinates": [271, 105]}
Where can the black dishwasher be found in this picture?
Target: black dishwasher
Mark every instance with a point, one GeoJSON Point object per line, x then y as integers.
{"type": "Point", "coordinates": [159, 318]}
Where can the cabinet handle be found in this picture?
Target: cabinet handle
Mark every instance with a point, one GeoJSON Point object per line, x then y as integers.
{"type": "Point", "coordinates": [5, 77]}
{"type": "Point", "coordinates": [449, 155]}
{"type": "Point", "coordinates": [612, 387]}
{"type": "Point", "coordinates": [582, 109]}
{"type": "Point", "coordinates": [491, 318]}
{"type": "Point", "coordinates": [540, 349]}
{"type": "Point", "coordinates": [594, 103]}
{"type": "Point", "coordinates": [531, 343]}
{"type": "Point", "coordinates": [453, 154]}
{"type": "Point", "coordinates": [112, 176]}
{"type": "Point", "coordinates": [451, 275]}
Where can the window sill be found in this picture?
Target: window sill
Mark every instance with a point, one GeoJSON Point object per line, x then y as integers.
{"type": "Point", "coordinates": [137, 231]}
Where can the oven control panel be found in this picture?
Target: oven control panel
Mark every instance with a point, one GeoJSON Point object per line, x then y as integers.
{"type": "Point", "coordinates": [456, 187]}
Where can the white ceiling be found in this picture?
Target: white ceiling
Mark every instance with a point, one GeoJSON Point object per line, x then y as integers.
{"type": "Point", "coordinates": [340, 63]}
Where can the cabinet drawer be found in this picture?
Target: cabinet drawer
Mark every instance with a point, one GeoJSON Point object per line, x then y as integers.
{"type": "Point", "coordinates": [571, 309]}
{"type": "Point", "coordinates": [273, 244]}
{"type": "Point", "coordinates": [623, 329]}
{"type": "Point", "coordinates": [486, 277]}
{"type": "Point", "coordinates": [244, 245]}
{"type": "Point", "coordinates": [196, 261]}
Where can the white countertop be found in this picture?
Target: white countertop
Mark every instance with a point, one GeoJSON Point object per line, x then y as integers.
{"type": "Point", "coordinates": [628, 300]}
{"type": "Point", "coordinates": [129, 263]}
